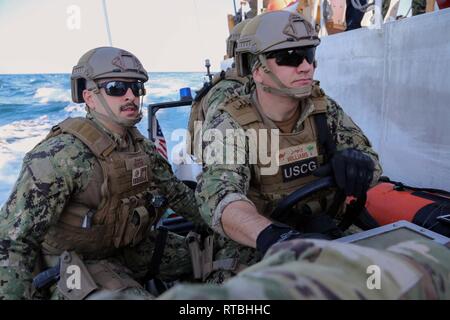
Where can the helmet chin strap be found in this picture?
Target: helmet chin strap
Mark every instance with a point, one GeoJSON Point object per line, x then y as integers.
{"type": "Point", "coordinates": [282, 90]}
{"type": "Point", "coordinates": [128, 123]}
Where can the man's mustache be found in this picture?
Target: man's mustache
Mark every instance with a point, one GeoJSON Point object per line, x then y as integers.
{"type": "Point", "coordinates": [128, 105]}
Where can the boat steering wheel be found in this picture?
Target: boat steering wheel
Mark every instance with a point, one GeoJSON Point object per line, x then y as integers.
{"type": "Point", "coordinates": [309, 189]}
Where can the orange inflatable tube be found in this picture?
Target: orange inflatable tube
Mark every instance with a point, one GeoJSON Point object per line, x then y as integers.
{"type": "Point", "coordinates": [387, 205]}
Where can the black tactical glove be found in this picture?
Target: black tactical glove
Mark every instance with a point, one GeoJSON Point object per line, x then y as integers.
{"type": "Point", "coordinates": [352, 169]}
{"type": "Point", "coordinates": [322, 224]}
{"type": "Point", "coordinates": [278, 232]}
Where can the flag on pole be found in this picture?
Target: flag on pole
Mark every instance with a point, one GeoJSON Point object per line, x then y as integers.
{"type": "Point", "coordinates": [160, 141]}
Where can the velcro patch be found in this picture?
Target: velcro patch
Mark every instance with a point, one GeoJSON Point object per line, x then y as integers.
{"type": "Point", "coordinates": [139, 175]}
{"type": "Point", "coordinates": [299, 169]}
{"type": "Point", "coordinates": [297, 153]}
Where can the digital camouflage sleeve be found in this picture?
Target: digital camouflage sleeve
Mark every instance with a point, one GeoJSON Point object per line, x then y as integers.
{"type": "Point", "coordinates": [51, 173]}
{"type": "Point", "coordinates": [220, 184]}
{"type": "Point", "coordinates": [317, 269]}
{"type": "Point", "coordinates": [181, 199]}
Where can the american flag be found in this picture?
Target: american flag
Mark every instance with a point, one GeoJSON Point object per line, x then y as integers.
{"type": "Point", "coordinates": [160, 141]}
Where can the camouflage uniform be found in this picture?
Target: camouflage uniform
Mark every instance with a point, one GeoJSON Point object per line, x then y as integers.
{"type": "Point", "coordinates": [220, 184]}
{"type": "Point", "coordinates": [53, 172]}
{"type": "Point", "coordinates": [317, 269]}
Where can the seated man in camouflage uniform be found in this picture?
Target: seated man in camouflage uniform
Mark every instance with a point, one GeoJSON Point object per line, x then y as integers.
{"type": "Point", "coordinates": [237, 199]}
{"type": "Point", "coordinates": [88, 193]}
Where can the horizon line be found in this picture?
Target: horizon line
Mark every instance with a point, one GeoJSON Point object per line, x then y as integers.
{"type": "Point", "coordinates": [35, 73]}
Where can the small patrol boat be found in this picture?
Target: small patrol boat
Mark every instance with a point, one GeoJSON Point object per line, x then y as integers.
{"type": "Point", "coordinates": [392, 80]}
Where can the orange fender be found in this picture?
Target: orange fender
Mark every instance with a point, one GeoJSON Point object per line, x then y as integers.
{"type": "Point", "coordinates": [387, 205]}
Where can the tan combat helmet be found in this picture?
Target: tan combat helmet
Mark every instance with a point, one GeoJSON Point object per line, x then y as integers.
{"type": "Point", "coordinates": [271, 31]}
{"type": "Point", "coordinates": [234, 37]}
{"type": "Point", "coordinates": [102, 63]}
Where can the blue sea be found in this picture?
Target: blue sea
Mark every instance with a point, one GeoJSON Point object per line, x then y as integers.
{"type": "Point", "coordinates": [31, 104]}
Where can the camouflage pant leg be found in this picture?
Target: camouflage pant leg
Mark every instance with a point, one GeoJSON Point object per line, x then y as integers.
{"type": "Point", "coordinates": [114, 282]}
{"type": "Point", "coordinates": [225, 249]}
{"type": "Point", "coordinates": [103, 294]}
{"type": "Point", "coordinates": [175, 265]}
{"type": "Point", "coordinates": [176, 260]}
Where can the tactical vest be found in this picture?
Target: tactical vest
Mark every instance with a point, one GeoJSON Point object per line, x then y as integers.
{"type": "Point", "coordinates": [300, 153]}
{"type": "Point", "coordinates": [200, 106]}
{"type": "Point", "coordinates": [114, 210]}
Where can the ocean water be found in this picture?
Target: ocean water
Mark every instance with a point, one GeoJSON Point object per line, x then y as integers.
{"type": "Point", "coordinates": [31, 104]}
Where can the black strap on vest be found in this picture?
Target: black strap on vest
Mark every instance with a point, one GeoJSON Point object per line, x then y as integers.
{"type": "Point", "coordinates": [356, 207]}
{"type": "Point", "coordinates": [155, 263]}
{"type": "Point", "coordinates": [329, 145]}
{"type": "Point", "coordinates": [324, 135]}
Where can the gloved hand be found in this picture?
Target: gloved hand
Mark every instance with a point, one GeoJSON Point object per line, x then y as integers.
{"type": "Point", "coordinates": [322, 223]}
{"type": "Point", "coordinates": [278, 232]}
{"type": "Point", "coordinates": [352, 169]}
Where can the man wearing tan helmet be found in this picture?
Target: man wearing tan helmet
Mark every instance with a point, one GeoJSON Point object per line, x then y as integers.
{"type": "Point", "coordinates": [310, 130]}
{"type": "Point", "coordinates": [88, 197]}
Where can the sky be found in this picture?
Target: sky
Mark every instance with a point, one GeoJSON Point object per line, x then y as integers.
{"type": "Point", "coordinates": [49, 36]}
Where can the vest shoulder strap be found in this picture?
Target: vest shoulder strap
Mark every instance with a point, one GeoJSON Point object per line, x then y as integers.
{"type": "Point", "coordinates": [136, 134]}
{"type": "Point", "coordinates": [241, 109]}
{"type": "Point", "coordinates": [231, 74]}
{"type": "Point", "coordinates": [85, 130]}
{"type": "Point", "coordinates": [320, 118]}
{"type": "Point", "coordinates": [324, 135]}
{"type": "Point", "coordinates": [319, 99]}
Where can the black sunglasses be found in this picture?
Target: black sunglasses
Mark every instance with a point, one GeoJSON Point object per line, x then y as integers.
{"type": "Point", "coordinates": [293, 57]}
{"type": "Point", "coordinates": [120, 88]}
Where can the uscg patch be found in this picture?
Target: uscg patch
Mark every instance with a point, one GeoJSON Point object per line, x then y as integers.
{"type": "Point", "coordinates": [299, 169]}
